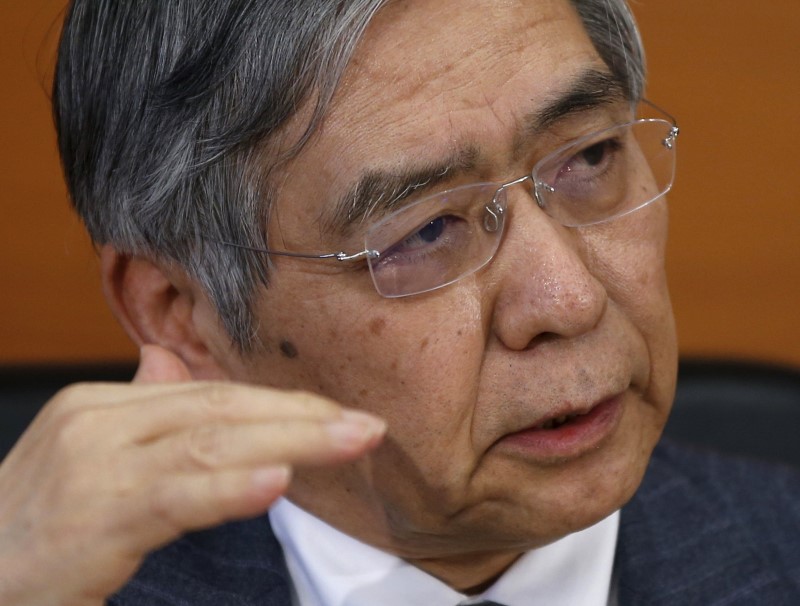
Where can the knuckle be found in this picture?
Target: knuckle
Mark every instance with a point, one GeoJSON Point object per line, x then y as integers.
{"type": "Point", "coordinates": [205, 446]}
{"type": "Point", "coordinates": [216, 398]}
{"type": "Point", "coordinates": [70, 398]}
{"type": "Point", "coordinates": [73, 409]}
{"type": "Point", "coordinates": [71, 427]}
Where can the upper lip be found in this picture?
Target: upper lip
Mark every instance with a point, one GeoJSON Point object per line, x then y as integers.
{"type": "Point", "coordinates": [564, 412]}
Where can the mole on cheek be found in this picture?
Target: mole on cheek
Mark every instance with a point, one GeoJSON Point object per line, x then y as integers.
{"type": "Point", "coordinates": [377, 325]}
{"type": "Point", "coordinates": [288, 349]}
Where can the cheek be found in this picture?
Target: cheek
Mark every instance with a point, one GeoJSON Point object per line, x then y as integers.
{"type": "Point", "coordinates": [413, 361]}
{"type": "Point", "coordinates": [628, 256]}
{"type": "Point", "coordinates": [417, 365]}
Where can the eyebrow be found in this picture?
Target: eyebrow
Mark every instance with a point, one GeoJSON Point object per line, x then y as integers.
{"type": "Point", "coordinates": [591, 90]}
{"type": "Point", "coordinates": [379, 191]}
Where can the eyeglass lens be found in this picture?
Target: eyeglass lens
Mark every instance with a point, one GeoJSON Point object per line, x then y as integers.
{"type": "Point", "coordinates": [442, 238]}
{"type": "Point", "coordinates": [607, 174]}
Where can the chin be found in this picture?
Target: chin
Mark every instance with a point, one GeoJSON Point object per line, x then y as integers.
{"type": "Point", "coordinates": [534, 506]}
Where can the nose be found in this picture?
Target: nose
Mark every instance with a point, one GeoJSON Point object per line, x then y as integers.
{"type": "Point", "coordinates": [544, 283]}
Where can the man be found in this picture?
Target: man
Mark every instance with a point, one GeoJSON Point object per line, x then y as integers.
{"type": "Point", "coordinates": [447, 220]}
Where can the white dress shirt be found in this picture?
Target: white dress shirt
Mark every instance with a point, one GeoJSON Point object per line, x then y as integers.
{"type": "Point", "coordinates": [330, 568]}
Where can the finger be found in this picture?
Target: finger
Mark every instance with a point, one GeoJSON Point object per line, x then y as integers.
{"type": "Point", "coordinates": [201, 500]}
{"type": "Point", "coordinates": [106, 409]}
{"type": "Point", "coordinates": [159, 365]}
{"type": "Point", "coordinates": [293, 442]}
{"type": "Point", "coordinates": [227, 403]}
{"type": "Point", "coordinates": [144, 412]}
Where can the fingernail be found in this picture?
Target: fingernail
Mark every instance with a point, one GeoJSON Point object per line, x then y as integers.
{"type": "Point", "coordinates": [269, 477]}
{"type": "Point", "coordinates": [362, 418]}
{"type": "Point", "coordinates": [376, 427]}
{"type": "Point", "coordinates": [355, 429]}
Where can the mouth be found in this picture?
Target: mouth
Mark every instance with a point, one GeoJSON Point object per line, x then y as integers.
{"type": "Point", "coordinates": [566, 435]}
{"type": "Point", "coordinates": [559, 421]}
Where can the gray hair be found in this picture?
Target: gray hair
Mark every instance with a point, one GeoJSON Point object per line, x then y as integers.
{"type": "Point", "coordinates": [165, 112]}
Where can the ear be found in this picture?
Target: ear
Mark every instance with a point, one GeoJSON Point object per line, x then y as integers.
{"type": "Point", "coordinates": [157, 304]}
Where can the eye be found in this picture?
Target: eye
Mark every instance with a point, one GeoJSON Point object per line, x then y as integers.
{"type": "Point", "coordinates": [590, 159]}
{"type": "Point", "coordinates": [437, 240]}
{"type": "Point", "coordinates": [427, 235]}
{"type": "Point", "coordinates": [432, 231]}
{"type": "Point", "coordinates": [437, 243]}
{"type": "Point", "coordinates": [594, 155]}
{"type": "Point", "coordinates": [589, 180]}
{"type": "Point", "coordinates": [587, 173]}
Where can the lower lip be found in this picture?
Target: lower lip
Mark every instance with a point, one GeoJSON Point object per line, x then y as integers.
{"type": "Point", "coordinates": [571, 440]}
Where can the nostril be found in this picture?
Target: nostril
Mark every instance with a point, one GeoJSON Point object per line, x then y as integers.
{"type": "Point", "coordinates": [542, 338]}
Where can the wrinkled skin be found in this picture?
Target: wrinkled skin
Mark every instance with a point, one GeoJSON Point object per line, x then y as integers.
{"type": "Point", "coordinates": [562, 318]}
{"type": "Point", "coordinates": [559, 316]}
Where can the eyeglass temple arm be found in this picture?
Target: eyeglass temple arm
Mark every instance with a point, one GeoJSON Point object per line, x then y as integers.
{"type": "Point", "coordinates": [661, 110]}
{"type": "Point", "coordinates": [339, 256]}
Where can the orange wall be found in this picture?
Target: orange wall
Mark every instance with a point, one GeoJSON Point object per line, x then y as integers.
{"type": "Point", "coordinates": [50, 302]}
{"type": "Point", "coordinates": [728, 71]}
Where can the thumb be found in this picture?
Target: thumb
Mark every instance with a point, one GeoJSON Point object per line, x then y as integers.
{"type": "Point", "coordinates": [159, 365]}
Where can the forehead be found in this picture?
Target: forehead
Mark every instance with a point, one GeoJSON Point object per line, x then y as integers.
{"type": "Point", "coordinates": [431, 79]}
{"type": "Point", "coordinates": [453, 55]}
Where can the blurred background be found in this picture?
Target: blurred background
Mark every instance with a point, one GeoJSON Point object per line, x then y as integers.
{"type": "Point", "coordinates": [728, 71]}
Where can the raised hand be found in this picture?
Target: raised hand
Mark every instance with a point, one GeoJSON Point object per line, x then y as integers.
{"type": "Point", "coordinates": [108, 472]}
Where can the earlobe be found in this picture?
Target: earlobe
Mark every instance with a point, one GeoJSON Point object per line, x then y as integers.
{"type": "Point", "coordinates": [158, 305]}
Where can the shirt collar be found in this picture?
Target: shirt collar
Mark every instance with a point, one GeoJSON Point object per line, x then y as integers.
{"type": "Point", "coordinates": [330, 568]}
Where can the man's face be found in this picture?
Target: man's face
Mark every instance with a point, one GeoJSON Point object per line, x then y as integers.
{"type": "Point", "coordinates": [562, 321]}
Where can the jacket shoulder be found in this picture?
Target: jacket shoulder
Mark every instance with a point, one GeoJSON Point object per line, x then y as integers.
{"type": "Point", "coordinates": [704, 528]}
{"type": "Point", "coordinates": [236, 564]}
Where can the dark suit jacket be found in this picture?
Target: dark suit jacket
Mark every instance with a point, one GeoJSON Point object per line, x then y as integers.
{"type": "Point", "coordinates": [702, 530]}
